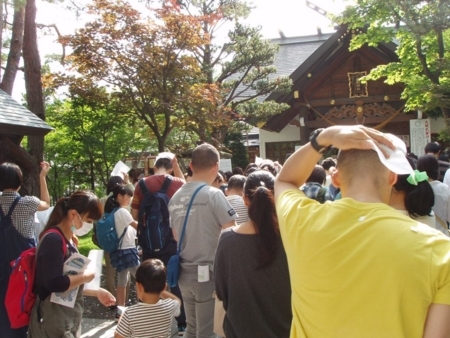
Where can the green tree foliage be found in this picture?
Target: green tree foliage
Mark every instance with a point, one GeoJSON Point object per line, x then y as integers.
{"type": "Point", "coordinates": [87, 143]}
{"type": "Point", "coordinates": [146, 64]}
{"type": "Point", "coordinates": [233, 143]}
{"type": "Point", "coordinates": [422, 31]}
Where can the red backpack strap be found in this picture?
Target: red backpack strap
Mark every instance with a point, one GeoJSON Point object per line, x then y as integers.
{"type": "Point", "coordinates": [54, 231]}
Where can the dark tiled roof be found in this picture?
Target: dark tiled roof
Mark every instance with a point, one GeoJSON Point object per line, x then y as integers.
{"type": "Point", "coordinates": [292, 53]}
{"type": "Point", "coordinates": [15, 119]}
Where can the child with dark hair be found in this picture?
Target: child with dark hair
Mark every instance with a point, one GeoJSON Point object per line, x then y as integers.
{"type": "Point", "coordinates": [125, 259]}
{"type": "Point", "coordinates": [133, 174]}
{"type": "Point", "coordinates": [435, 149]}
{"type": "Point", "coordinates": [268, 165]}
{"type": "Point", "coordinates": [314, 189]}
{"type": "Point", "coordinates": [235, 194]}
{"type": "Point", "coordinates": [413, 196]}
{"type": "Point", "coordinates": [251, 167]}
{"type": "Point", "coordinates": [153, 317]}
{"type": "Point", "coordinates": [110, 272]}
{"type": "Point", "coordinates": [255, 290]}
{"type": "Point", "coordinates": [227, 175]}
{"type": "Point", "coordinates": [238, 171]}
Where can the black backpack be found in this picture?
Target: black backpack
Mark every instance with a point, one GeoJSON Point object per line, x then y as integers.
{"type": "Point", "coordinates": [154, 232]}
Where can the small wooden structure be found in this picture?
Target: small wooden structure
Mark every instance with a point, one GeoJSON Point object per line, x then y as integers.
{"type": "Point", "coordinates": [16, 122]}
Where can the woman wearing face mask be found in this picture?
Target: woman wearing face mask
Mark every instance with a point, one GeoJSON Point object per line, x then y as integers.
{"type": "Point", "coordinates": [50, 319]}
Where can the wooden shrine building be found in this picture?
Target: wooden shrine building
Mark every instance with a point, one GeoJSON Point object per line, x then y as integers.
{"type": "Point", "coordinates": [327, 91]}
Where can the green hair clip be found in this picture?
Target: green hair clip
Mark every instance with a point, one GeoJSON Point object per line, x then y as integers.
{"type": "Point", "coordinates": [418, 176]}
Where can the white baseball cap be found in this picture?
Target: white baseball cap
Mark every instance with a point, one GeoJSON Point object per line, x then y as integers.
{"type": "Point", "coordinates": [396, 162]}
{"type": "Point", "coordinates": [165, 154]}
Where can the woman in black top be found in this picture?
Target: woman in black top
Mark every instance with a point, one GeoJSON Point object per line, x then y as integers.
{"type": "Point", "coordinates": [50, 319]}
{"type": "Point", "coordinates": [251, 272]}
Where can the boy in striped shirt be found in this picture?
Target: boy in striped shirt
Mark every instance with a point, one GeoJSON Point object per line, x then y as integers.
{"type": "Point", "coordinates": [153, 317]}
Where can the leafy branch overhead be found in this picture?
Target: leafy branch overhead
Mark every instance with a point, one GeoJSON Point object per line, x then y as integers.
{"type": "Point", "coordinates": [422, 31]}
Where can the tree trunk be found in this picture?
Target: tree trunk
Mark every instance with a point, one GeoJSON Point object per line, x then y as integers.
{"type": "Point", "coordinates": [15, 49]}
{"type": "Point", "coordinates": [161, 143]}
{"type": "Point", "coordinates": [92, 174]}
{"type": "Point", "coordinates": [33, 85]}
{"type": "Point", "coordinates": [1, 35]}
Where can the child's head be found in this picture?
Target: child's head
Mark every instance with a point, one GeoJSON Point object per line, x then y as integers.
{"type": "Point", "coordinates": [151, 274]}
{"type": "Point", "coordinates": [10, 176]}
{"type": "Point", "coordinates": [121, 196]}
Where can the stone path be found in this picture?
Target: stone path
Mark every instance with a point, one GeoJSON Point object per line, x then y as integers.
{"type": "Point", "coordinates": [97, 328]}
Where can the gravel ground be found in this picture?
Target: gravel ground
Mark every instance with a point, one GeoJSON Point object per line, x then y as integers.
{"type": "Point", "coordinates": [93, 308]}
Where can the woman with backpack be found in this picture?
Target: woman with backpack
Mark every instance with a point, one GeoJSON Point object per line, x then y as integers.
{"type": "Point", "coordinates": [251, 272]}
{"type": "Point", "coordinates": [50, 319]}
{"type": "Point", "coordinates": [125, 259]}
{"type": "Point", "coordinates": [17, 232]}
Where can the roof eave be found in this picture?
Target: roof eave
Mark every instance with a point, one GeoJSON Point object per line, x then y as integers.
{"type": "Point", "coordinates": [8, 129]}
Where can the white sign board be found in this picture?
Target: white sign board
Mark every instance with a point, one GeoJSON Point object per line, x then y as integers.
{"type": "Point", "coordinates": [420, 135]}
{"type": "Point", "coordinates": [225, 165]}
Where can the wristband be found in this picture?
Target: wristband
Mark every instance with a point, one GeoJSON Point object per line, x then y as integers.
{"type": "Point", "coordinates": [313, 141]}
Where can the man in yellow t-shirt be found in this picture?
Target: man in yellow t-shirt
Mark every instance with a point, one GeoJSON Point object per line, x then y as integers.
{"type": "Point", "coordinates": [359, 268]}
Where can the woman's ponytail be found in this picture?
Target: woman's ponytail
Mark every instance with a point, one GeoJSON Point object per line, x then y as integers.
{"type": "Point", "coordinates": [261, 211]}
{"type": "Point", "coordinates": [58, 214]}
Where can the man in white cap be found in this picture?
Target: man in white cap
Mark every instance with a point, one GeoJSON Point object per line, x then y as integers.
{"type": "Point", "coordinates": [359, 268]}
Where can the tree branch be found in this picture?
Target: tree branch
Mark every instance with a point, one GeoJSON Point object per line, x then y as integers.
{"type": "Point", "coordinates": [40, 26]}
{"type": "Point", "coordinates": [423, 61]}
{"type": "Point", "coordinates": [440, 39]}
{"type": "Point", "coordinates": [230, 97]}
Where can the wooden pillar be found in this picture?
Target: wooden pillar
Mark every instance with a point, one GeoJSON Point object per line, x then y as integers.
{"type": "Point", "coordinates": [304, 130]}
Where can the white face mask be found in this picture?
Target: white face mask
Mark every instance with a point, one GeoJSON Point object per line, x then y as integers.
{"type": "Point", "coordinates": [85, 228]}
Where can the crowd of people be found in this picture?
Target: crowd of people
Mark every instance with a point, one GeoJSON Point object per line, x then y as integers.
{"type": "Point", "coordinates": [352, 246]}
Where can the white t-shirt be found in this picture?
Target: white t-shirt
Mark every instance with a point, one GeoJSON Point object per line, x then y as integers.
{"type": "Point", "coordinates": [447, 177]}
{"type": "Point", "coordinates": [327, 181]}
{"type": "Point", "coordinates": [148, 320]}
{"type": "Point", "coordinates": [441, 206]}
{"type": "Point", "coordinates": [123, 218]}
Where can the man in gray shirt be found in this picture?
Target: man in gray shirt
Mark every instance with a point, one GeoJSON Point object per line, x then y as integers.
{"type": "Point", "coordinates": [209, 214]}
